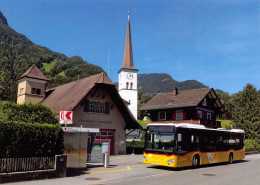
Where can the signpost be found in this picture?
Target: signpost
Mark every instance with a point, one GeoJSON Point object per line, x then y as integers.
{"type": "Point", "coordinates": [105, 151]}
{"type": "Point", "coordinates": [66, 117]}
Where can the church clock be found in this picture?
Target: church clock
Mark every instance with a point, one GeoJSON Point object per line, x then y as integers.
{"type": "Point", "coordinates": [129, 76]}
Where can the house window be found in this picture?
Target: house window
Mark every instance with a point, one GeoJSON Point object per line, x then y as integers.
{"type": "Point", "coordinates": [131, 85]}
{"type": "Point", "coordinates": [36, 91]}
{"type": "Point", "coordinates": [179, 114]}
{"type": "Point", "coordinates": [21, 90]}
{"type": "Point", "coordinates": [208, 116]}
{"type": "Point", "coordinates": [127, 84]}
{"type": "Point", "coordinates": [205, 102]}
{"type": "Point", "coordinates": [161, 116]}
{"type": "Point", "coordinates": [97, 106]}
{"type": "Point", "coordinates": [199, 114]}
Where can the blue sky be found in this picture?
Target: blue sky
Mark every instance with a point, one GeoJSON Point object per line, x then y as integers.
{"type": "Point", "coordinates": [216, 42]}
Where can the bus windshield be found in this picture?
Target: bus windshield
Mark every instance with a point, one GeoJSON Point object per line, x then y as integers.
{"type": "Point", "coordinates": [160, 140]}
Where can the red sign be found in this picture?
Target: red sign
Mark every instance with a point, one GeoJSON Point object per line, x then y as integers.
{"type": "Point", "coordinates": [66, 117]}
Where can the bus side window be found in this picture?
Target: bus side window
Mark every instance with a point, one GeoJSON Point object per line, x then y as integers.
{"type": "Point", "coordinates": [197, 139]}
{"type": "Point", "coordinates": [192, 139]}
{"type": "Point", "coordinates": [179, 137]}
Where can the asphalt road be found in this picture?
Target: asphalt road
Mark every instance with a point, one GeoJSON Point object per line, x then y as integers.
{"type": "Point", "coordinates": [129, 169]}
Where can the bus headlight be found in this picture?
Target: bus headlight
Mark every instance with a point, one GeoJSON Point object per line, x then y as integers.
{"type": "Point", "coordinates": [170, 161]}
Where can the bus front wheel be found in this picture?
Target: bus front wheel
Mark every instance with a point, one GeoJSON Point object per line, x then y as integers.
{"type": "Point", "coordinates": [196, 161]}
{"type": "Point", "coordinates": [230, 158]}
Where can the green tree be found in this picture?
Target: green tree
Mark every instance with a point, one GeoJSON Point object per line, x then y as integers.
{"type": "Point", "coordinates": [246, 113]}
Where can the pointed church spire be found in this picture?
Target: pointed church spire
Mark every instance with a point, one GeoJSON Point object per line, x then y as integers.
{"type": "Point", "coordinates": [128, 62]}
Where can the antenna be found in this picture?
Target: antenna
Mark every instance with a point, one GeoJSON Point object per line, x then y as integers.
{"type": "Point", "coordinates": [108, 62]}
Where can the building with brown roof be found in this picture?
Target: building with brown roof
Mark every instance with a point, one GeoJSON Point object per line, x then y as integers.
{"type": "Point", "coordinates": [94, 100]}
{"type": "Point", "coordinates": [197, 106]}
{"type": "Point", "coordinates": [31, 86]}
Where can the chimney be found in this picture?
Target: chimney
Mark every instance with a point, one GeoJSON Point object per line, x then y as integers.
{"type": "Point", "coordinates": [175, 91]}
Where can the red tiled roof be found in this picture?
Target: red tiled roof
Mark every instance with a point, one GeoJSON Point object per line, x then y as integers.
{"type": "Point", "coordinates": [186, 98]}
{"type": "Point", "coordinates": [34, 72]}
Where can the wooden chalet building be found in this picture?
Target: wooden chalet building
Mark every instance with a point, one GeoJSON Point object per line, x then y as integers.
{"type": "Point", "coordinates": [196, 106]}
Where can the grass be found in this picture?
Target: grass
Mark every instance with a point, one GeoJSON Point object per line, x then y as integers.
{"type": "Point", "coordinates": [225, 122]}
{"type": "Point", "coordinates": [62, 73]}
{"type": "Point", "coordinates": [48, 66]}
{"type": "Point", "coordinates": [142, 122]}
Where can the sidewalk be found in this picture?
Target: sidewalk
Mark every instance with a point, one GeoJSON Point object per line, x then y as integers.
{"type": "Point", "coordinates": [94, 171]}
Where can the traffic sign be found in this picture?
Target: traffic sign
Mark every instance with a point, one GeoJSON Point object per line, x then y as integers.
{"type": "Point", "coordinates": [66, 117]}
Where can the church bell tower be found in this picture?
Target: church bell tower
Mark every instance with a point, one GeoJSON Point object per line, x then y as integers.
{"type": "Point", "coordinates": [127, 86]}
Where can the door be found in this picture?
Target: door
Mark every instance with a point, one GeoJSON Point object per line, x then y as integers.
{"type": "Point", "coordinates": [106, 135]}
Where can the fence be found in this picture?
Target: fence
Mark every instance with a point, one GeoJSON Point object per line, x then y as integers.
{"type": "Point", "coordinates": [26, 164]}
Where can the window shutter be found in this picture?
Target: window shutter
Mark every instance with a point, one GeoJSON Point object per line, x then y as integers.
{"type": "Point", "coordinates": [174, 115]}
{"type": "Point", "coordinates": [184, 115]}
{"type": "Point", "coordinates": [107, 107]}
{"type": "Point", "coordinates": [86, 104]}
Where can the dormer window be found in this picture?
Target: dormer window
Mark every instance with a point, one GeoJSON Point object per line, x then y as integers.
{"type": "Point", "coordinates": [36, 91]}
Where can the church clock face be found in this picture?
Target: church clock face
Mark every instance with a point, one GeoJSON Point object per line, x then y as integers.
{"type": "Point", "coordinates": [130, 76]}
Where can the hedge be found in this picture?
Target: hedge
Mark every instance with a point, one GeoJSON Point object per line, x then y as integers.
{"type": "Point", "coordinates": [29, 113]}
{"type": "Point", "coordinates": [136, 147]}
{"type": "Point", "coordinates": [20, 139]}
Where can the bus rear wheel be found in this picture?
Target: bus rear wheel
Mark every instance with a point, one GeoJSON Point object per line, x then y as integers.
{"type": "Point", "coordinates": [230, 158]}
{"type": "Point", "coordinates": [196, 161]}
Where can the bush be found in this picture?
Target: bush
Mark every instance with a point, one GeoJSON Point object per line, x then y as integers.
{"type": "Point", "coordinates": [29, 113]}
{"type": "Point", "coordinates": [20, 139]}
{"type": "Point", "coordinates": [252, 144]}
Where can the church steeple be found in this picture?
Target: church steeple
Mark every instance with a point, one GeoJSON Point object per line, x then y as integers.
{"type": "Point", "coordinates": [127, 85]}
{"type": "Point", "coordinates": [128, 62]}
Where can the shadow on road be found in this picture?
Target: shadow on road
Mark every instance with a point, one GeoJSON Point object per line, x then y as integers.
{"type": "Point", "coordinates": [72, 172]}
{"type": "Point", "coordinates": [191, 168]}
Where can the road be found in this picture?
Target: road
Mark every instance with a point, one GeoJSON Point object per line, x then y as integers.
{"type": "Point", "coordinates": [129, 169]}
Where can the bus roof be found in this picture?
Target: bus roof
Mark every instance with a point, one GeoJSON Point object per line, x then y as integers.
{"type": "Point", "coordinates": [188, 125]}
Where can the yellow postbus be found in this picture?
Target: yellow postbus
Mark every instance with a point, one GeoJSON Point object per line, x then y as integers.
{"type": "Point", "coordinates": [184, 144]}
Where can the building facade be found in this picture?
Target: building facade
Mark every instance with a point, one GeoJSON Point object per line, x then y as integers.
{"type": "Point", "coordinates": [196, 106]}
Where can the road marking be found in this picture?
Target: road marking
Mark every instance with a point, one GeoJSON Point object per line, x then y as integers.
{"type": "Point", "coordinates": [128, 168]}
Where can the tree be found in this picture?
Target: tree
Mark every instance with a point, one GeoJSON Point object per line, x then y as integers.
{"type": "Point", "coordinates": [142, 99]}
{"type": "Point", "coordinates": [246, 113]}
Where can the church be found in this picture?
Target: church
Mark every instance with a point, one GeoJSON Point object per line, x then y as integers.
{"type": "Point", "coordinates": [94, 100]}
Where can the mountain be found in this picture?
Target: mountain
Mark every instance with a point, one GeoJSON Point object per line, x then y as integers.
{"type": "Point", "coordinates": [18, 53]}
{"type": "Point", "coordinates": [154, 83]}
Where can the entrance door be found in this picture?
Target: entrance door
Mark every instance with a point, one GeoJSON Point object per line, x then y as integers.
{"type": "Point", "coordinates": [106, 135]}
